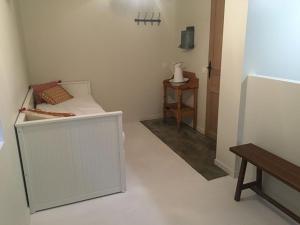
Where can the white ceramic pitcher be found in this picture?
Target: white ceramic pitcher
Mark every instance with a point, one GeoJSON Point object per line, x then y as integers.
{"type": "Point", "coordinates": [178, 74]}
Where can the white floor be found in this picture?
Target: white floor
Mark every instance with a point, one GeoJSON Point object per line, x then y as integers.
{"type": "Point", "coordinates": [163, 190]}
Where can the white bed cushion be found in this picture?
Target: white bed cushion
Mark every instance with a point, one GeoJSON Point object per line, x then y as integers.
{"type": "Point", "coordinates": [83, 105]}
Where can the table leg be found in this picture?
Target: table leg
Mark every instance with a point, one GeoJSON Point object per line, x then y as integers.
{"type": "Point", "coordinates": [241, 179]}
{"type": "Point", "coordinates": [165, 104]}
{"type": "Point", "coordinates": [259, 178]}
{"type": "Point", "coordinates": [178, 116]}
{"type": "Point", "coordinates": [195, 119]}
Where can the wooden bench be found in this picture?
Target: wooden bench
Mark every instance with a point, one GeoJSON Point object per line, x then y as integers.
{"type": "Point", "coordinates": [265, 161]}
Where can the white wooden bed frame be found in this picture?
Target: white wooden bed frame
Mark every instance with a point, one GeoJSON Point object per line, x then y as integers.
{"type": "Point", "coordinates": [67, 160]}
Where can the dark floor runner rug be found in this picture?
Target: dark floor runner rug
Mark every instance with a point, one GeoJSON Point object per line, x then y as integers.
{"type": "Point", "coordinates": [196, 149]}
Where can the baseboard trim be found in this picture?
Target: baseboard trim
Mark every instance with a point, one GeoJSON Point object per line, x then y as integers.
{"type": "Point", "coordinates": [224, 167]}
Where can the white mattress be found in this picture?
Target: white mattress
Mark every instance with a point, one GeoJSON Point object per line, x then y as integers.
{"type": "Point", "coordinates": [83, 105]}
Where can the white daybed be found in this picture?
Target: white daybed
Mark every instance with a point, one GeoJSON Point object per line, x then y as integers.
{"type": "Point", "coordinates": [66, 160]}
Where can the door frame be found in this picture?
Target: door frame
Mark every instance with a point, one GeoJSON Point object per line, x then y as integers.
{"type": "Point", "coordinates": [211, 63]}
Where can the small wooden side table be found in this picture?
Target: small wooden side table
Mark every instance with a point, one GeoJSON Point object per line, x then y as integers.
{"type": "Point", "coordinates": [179, 109]}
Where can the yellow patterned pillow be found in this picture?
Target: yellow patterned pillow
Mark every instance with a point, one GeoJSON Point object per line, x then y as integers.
{"type": "Point", "coordinates": [55, 95]}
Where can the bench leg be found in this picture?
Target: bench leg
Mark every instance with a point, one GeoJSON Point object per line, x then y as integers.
{"type": "Point", "coordinates": [240, 182]}
{"type": "Point", "coordinates": [259, 178]}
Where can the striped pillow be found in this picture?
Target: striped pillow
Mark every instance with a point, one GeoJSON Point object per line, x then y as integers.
{"type": "Point", "coordinates": [55, 95]}
{"type": "Point", "coordinates": [39, 88]}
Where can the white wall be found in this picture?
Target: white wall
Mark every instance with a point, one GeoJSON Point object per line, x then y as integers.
{"type": "Point", "coordinates": [273, 47]}
{"type": "Point", "coordinates": [99, 41]}
{"type": "Point", "coordinates": [195, 13]}
{"type": "Point", "coordinates": [13, 87]}
{"type": "Point", "coordinates": [272, 119]}
{"type": "Point", "coordinates": [231, 75]}
{"type": "Point", "coordinates": [269, 115]}
{"type": "Point", "coordinates": [264, 111]}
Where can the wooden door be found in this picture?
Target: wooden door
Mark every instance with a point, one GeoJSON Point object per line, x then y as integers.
{"type": "Point", "coordinates": [214, 68]}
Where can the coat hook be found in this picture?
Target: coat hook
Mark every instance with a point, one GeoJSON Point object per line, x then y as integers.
{"type": "Point", "coordinates": [145, 19]}
{"type": "Point", "coordinates": [158, 19]}
{"type": "Point", "coordinates": [138, 18]}
{"type": "Point", "coordinates": [152, 18]}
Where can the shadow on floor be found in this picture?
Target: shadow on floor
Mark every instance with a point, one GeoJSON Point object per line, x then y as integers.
{"type": "Point", "coordinates": [196, 149]}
